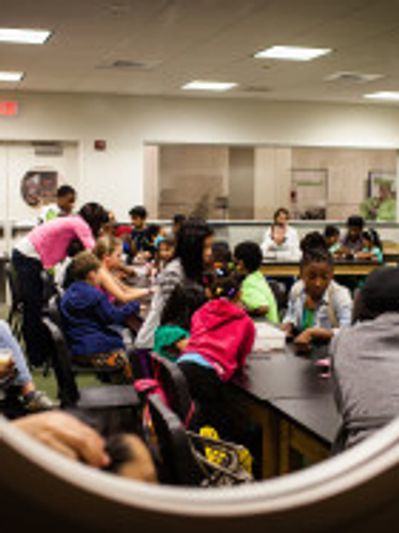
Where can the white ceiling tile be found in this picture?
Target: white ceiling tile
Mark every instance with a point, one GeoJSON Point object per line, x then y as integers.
{"type": "Point", "coordinates": [215, 39]}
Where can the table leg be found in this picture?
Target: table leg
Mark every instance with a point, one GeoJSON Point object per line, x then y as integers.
{"type": "Point", "coordinates": [294, 438]}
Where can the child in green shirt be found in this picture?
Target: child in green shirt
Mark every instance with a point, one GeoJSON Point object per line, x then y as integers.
{"type": "Point", "coordinates": [256, 294]}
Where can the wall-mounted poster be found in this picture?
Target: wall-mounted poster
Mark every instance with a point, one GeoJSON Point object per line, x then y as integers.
{"type": "Point", "coordinates": [39, 186]}
{"type": "Point", "coordinates": [380, 202]}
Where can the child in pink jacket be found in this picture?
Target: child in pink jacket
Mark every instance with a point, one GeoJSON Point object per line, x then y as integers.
{"type": "Point", "coordinates": [221, 338]}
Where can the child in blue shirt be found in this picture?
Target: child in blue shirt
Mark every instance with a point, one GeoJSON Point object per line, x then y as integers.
{"type": "Point", "coordinates": [88, 317]}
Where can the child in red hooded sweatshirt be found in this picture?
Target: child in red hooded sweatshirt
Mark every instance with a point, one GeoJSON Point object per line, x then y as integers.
{"type": "Point", "coordinates": [221, 337]}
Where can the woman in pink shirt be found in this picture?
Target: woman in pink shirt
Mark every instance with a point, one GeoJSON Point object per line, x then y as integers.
{"type": "Point", "coordinates": [41, 249]}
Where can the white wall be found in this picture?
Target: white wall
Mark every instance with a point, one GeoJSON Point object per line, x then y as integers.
{"type": "Point", "coordinates": [115, 177]}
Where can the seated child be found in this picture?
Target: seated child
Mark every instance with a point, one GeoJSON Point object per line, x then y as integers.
{"type": "Point", "coordinates": [171, 336]}
{"type": "Point", "coordinates": [88, 316]}
{"type": "Point", "coordinates": [331, 236]}
{"type": "Point", "coordinates": [371, 247]}
{"type": "Point", "coordinates": [221, 338]}
{"type": "Point", "coordinates": [177, 222]}
{"type": "Point", "coordinates": [256, 294]}
{"type": "Point", "coordinates": [313, 240]}
{"type": "Point", "coordinates": [134, 244]}
{"type": "Point", "coordinates": [317, 306]}
{"type": "Point", "coordinates": [108, 249]}
{"type": "Point", "coordinates": [154, 235]}
{"type": "Point", "coordinates": [352, 242]}
{"type": "Point", "coordinates": [165, 252]}
{"type": "Point", "coordinates": [221, 254]}
{"type": "Point", "coordinates": [365, 360]}
{"type": "Point", "coordinates": [14, 373]}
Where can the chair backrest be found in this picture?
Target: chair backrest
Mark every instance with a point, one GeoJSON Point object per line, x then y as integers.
{"type": "Point", "coordinates": [15, 290]}
{"type": "Point", "coordinates": [175, 386]}
{"type": "Point", "coordinates": [48, 287]}
{"type": "Point", "coordinates": [177, 465]}
{"type": "Point", "coordinates": [68, 392]}
{"type": "Point", "coordinates": [140, 359]}
{"type": "Point", "coordinates": [53, 310]}
{"type": "Point", "coordinates": [280, 293]}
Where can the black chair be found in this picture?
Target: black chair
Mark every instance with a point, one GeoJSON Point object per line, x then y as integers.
{"type": "Point", "coordinates": [15, 314]}
{"type": "Point", "coordinates": [175, 386]}
{"type": "Point", "coordinates": [53, 310]}
{"type": "Point", "coordinates": [49, 288]}
{"type": "Point", "coordinates": [176, 463]}
{"type": "Point", "coordinates": [280, 294]}
{"type": "Point", "coordinates": [112, 397]}
{"type": "Point", "coordinates": [103, 374]}
{"type": "Point", "coordinates": [140, 359]}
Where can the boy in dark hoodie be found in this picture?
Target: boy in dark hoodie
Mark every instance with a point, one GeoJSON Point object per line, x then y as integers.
{"type": "Point", "coordinates": [88, 316]}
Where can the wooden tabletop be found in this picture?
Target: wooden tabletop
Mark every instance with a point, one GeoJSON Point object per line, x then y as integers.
{"type": "Point", "coordinates": [293, 386]}
{"type": "Point", "coordinates": [276, 268]}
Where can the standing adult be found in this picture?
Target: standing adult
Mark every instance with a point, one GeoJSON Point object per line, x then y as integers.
{"type": "Point", "coordinates": [381, 208]}
{"type": "Point", "coordinates": [42, 248]}
{"type": "Point", "coordinates": [193, 253]}
{"type": "Point", "coordinates": [284, 239]}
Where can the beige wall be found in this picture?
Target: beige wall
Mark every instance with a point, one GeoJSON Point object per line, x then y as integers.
{"type": "Point", "coordinates": [191, 178]}
{"type": "Point", "coordinates": [347, 173]}
{"type": "Point", "coordinates": [259, 179]}
{"type": "Point", "coordinates": [241, 183]}
{"type": "Point", "coordinates": [116, 176]}
{"type": "Point", "coordinates": [272, 180]}
{"type": "Point", "coordinates": [151, 180]}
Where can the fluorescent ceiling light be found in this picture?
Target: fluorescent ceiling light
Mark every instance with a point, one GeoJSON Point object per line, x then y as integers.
{"type": "Point", "coordinates": [11, 76]}
{"type": "Point", "coordinates": [383, 95]}
{"type": "Point", "coordinates": [20, 36]}
{"type": "Point", "coordinates": [198, 85]}
{"type": "Point", "coordinates": [293, 53]}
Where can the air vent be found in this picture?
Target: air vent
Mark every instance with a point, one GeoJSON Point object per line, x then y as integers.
{"type": "Point", "coordinates": [256, 89]}
{"type": "Point", "coordinates": [353, 77]}
{"type": "Point", "coordinates": [127, 64]}
{"type": "Point", "coordinates": [49, 148]}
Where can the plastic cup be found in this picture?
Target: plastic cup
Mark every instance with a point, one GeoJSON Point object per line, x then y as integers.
{"type": "Point", "coordinates": [5, 357]}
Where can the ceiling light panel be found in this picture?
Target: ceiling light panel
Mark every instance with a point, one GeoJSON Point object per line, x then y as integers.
{"type": "Point", "coordinates": [383, 95]}
{"type": "Point", "coordinates": [199, 85]}
{"type": "Point", "coordinates": [292, 53]}
{"type": "Point", "coordinates": [11, 76]}
{"type": "Point", "coordinates": [23, 36]}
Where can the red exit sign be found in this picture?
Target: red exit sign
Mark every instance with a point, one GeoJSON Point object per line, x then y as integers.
{"type": "Point", "coordinates": [8, 108]}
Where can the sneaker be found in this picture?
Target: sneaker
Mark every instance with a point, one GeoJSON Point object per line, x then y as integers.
{"type": "Point", "coordinates": [37, 401]}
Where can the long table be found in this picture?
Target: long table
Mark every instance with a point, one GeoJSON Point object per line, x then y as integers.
{"type": "Point", "coordinates": [285, 395]}
{"type": "Point", "coordinates": [279, 268]}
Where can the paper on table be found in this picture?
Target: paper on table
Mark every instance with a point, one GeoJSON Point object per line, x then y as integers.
{"type": "Point", "coordinates": [268, 338]}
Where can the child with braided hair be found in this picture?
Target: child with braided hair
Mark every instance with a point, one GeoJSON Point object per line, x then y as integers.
{"type": "Point", "coordinates": [221, 338]}
{"type": "Point", "coordinates": [318, 306]}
